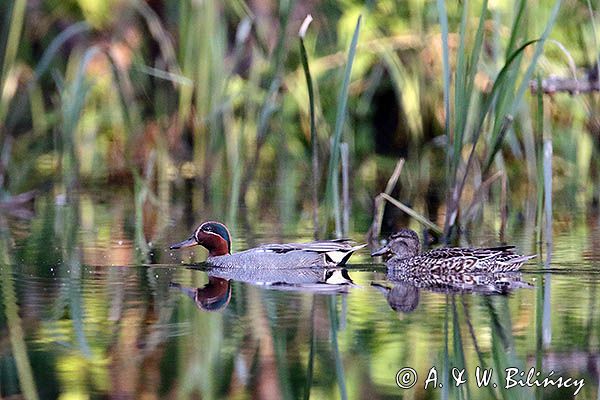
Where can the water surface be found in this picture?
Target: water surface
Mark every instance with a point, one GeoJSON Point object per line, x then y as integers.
{"type": "Point", "coordinates": [86, 313]}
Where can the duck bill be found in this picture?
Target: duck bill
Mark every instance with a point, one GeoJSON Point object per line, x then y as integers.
{"type": "Point", "coordinates": [186, 243]}
{"type": "Point", "coordinates": [381, 252]}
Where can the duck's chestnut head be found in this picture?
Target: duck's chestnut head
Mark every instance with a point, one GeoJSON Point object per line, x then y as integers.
{"type": "Point", "coordinates": [214, 236]}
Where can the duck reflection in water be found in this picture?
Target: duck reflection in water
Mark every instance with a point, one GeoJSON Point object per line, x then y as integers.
{"type": "Point", "coordinates": [216, 294]}
{"type": "Point", "coordinates": [404, 293]}
{"type": "Point", "coordinates": [213, 296]}
{"type": "Point", "coordinates": [301, 279]}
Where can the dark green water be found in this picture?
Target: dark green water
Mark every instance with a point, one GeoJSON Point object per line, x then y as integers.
{"type": "Point", "coordinates": [85, 315]}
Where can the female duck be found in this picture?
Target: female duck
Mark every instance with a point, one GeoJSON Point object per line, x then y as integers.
{"type": "Point", "coordinates": [215, 237]}
{"type": "Point", "coordinates": [403, 248]}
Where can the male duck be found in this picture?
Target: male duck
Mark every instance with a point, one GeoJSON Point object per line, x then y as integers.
{"type": "Point", "coordinates": [215, 237]}
{"type": "Point", "coordinates": [213, 296]}
{"type": "Point", "coordinates": [403, 248]}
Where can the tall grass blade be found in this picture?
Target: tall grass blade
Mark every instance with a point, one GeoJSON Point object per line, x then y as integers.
{"type": "Point", "coordinates": [460, 106]}
{"type": "Point", "coordinates": [160, 35]}
{"type": "Point", "coordinates": [345, 189]}
{"type": "Point", "coordinates": [11, 46]}
{"type": "Point", "coordinates": [539, 48]}
{"type": "Point", "coordinates": [443, 17]}
{"type": "Point", "coordinates": [596, 46]}
{"type": "Point", "coordinates": [464, 83]}
{"type": "Point", "coordinates": [337, 210]}
{"type": "Point", "coordinates": [56, 45]}
{"type": "Point", "coordinates": [313, 126]}
{"type": "Point", "coordinates": [340, 119]}
{"type": "Point", "coordinates": [73, 101]}
{"type": "Point", "coordinates": [517, 26]}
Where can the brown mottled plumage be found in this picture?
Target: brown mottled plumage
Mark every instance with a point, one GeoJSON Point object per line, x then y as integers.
{"type": "Point", "coordinates": [403, 250]}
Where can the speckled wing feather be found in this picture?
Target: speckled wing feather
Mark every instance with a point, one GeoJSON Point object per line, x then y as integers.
{"type": "Point", "coordinates": [458, 260]}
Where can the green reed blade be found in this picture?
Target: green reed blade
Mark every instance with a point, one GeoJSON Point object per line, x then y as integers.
{"type": "Point", "coordinates": [460, 106]}
{"type": "Point", "coordinates": [313, 127]}
{"type": "Point", "coordinates": [536, 55]}
{"type": "Point", "coordinates": [73, 99]}
{"type": "Point", "coordinates": [595, 38]}
{"type": "Point", "coordinates": [56, 44]}
{"type": "Point", "coordinates": [517, 26]}
{"type": "Point", "coordinates": [476, 53]}
{"type": "Point", "coordinates": [10, 48]}
{"type": "Point", "coordinates": [443, 17]}
{"type": "Point", "coordinates": [340, 118]}
{"type": "Point", "coordinates": [466, 70]}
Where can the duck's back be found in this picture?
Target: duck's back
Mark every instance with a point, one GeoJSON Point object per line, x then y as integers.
{"type": "Point", "coordinates": [457, 260]}
{"type": "Point", "coordinates": [263, 258]}
{"type": "Point", "coordinates": [319, 254]}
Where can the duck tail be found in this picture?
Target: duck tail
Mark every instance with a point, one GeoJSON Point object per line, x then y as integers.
{"type": "Point", "coordinates": [347, 255]}
{"type": "Point", "coordinates": [521, 259]}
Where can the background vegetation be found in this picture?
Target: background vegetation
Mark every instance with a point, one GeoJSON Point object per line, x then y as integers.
{"type": "Point", "coordinates": [210, 99]}
{"type": "Point", "coordinates": [130, 121]}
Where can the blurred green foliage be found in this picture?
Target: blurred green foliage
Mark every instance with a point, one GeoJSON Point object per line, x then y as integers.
{"type": "Point", "coordinates": [213, 93]}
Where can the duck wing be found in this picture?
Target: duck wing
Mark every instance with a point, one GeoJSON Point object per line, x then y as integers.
{"type": "Point", "coordinates": [320, 246]}
{"type": "Point", "coordinates": [466, 259]}
{"type": "Point", "coordinates": [336, 251]}
{"type": "Point", "coordinates": [478, 253]}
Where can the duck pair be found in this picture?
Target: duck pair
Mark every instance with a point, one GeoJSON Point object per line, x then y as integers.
{"type": "Point", "coordinates": [402, 250]}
